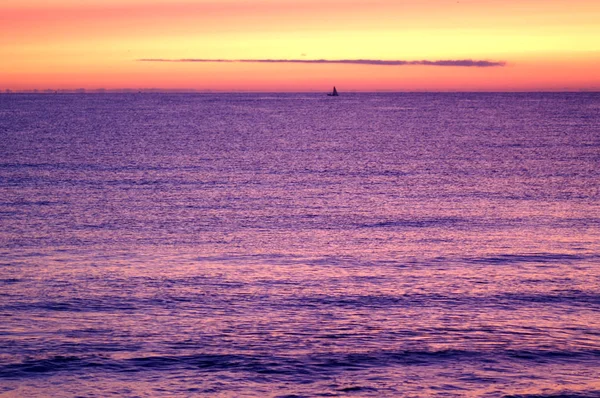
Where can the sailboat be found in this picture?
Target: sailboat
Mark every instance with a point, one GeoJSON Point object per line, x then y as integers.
{"type": "Point", "coordinates": [334, 93]}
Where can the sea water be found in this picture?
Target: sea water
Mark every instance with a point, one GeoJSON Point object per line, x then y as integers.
{"type": "Point", "coordinates": [299, 245]}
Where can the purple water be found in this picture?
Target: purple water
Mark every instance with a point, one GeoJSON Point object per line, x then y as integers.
{"type": "Point", "coordinates": [291, 245]}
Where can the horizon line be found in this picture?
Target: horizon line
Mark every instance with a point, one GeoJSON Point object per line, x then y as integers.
{"type": "Point", "coordinates": [213, 91]}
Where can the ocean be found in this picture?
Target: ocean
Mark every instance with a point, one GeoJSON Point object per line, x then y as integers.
{"type": "Point", "coordinates": [299, 245]}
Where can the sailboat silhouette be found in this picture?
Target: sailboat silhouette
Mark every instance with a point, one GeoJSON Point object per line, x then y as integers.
{"type": "Point", "coordinates": [334, 93]}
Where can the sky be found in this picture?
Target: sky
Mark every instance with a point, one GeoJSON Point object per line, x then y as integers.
{"type": "Point", "coordinates": [301, 45]}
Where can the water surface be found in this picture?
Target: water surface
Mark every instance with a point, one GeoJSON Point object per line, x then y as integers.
{"type": "Point", "coordinates": [300, 245]}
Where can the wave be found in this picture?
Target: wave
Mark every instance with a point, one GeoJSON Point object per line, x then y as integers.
{"type": "Point", "coordinates": [563, 394]}
{"type": "Point", "coordinates": [108, 304]}
{"type": "Point", "coordinates": [529, 258]}
{"type": "Point", "coordinates": [570, 297]}
{"type": "Point", "coordinates": [127, 305]}
{"type": "Point", "coordinates": [314, 364]}
{"type": "Point", "coordinates": [416, 223]}
{"type": "Point", "coordinates": [495, 259]}
{"type": "Point", "coordinates": [565, 297]}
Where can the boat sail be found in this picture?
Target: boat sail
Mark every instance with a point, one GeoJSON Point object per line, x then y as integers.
{"type": "Point", "coordinates": [334, 93]}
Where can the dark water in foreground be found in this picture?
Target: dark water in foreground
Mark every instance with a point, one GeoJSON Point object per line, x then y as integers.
{"type": "Point", "coordinates": [407, 245]}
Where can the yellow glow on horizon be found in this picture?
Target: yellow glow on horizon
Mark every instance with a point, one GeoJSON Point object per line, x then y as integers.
{"type": "Point", "coordinates": [57, 43]}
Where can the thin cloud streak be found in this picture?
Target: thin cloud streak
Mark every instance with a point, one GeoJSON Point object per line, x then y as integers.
{"type": "Point", "coordinates": [375, 62]}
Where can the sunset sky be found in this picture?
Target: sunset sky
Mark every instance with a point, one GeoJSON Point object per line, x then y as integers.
{"type": "Point", "coordinates": [530, 44]}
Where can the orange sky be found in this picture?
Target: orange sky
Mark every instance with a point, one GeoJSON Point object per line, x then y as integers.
{"type": "Point", "coordinates": [66, 44]}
